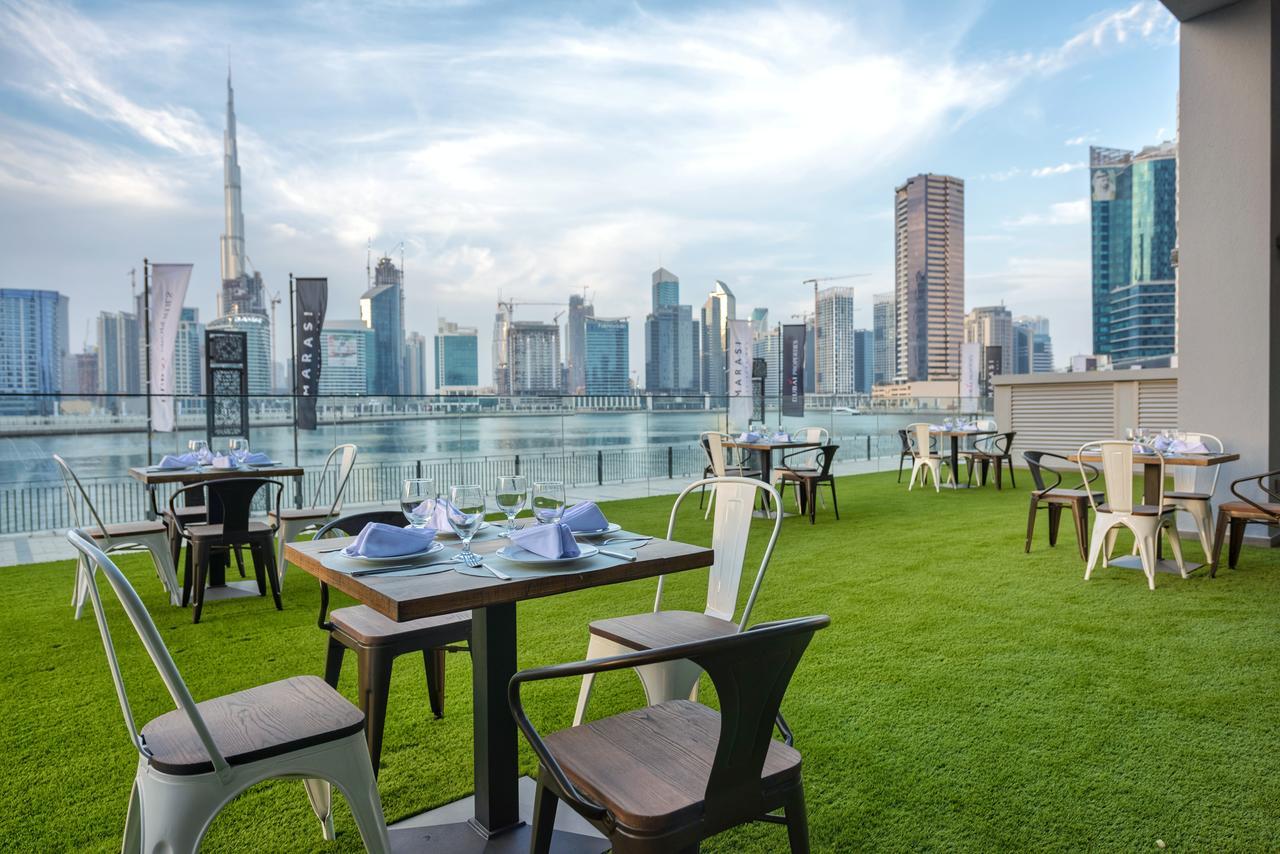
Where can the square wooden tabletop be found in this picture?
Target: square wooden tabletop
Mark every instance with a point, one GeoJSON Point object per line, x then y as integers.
{"type": "Point", "coordinates": [1171, 460]}
{"type": "Point", "coordinates": [769, 446]}
{"type": "Point", "coordinates": [412, 597]}
{"type": "Point", "coordinates": [151, 476]}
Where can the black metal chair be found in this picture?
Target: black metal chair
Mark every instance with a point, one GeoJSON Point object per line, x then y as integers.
{"type": "Point", "coordinates": [227, 529]}
{"type": "Point", "coordinates": [807, 480]}
{"type": "Point", "coordinates": [995, 448]}
{"type": "Point", "coordinates": [1233, 516]}
{"type": "Point", "coordinates": [1052, 496]}
{"type": "Point", "coordinates": [378, 641]}
{"type": "Point", "coordinates": [905, 453]}
{"type": "Point", "coordinates": [666, 777]}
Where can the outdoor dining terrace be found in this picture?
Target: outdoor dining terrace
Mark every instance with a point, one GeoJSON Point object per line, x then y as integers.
{"type": "Point", "coordinates": [968, 694]}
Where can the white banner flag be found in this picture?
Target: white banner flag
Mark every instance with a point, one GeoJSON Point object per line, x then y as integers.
{"type": "Point", "coordinates": [168, 291]}
{"type": "Point", "coordinates": [739, 364]}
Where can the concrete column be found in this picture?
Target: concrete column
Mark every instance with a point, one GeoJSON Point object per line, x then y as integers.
{"type": "Point", "coordinates": [1229, 224]}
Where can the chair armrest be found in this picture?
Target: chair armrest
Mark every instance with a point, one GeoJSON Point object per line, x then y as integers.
{"type": "Point", "coordinates": [1258, 478]}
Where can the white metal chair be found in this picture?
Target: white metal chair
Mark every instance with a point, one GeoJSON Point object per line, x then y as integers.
{"type": "Point", "coordinates": [807, 461]}
{"type": "Point", "coordinates": [293, 523]}
{"type": "Point", "coordinates": [192, 761]}
{"type": "Point", "coordinates": [717, 466]}
{"type": "Point", "coordinates": [152, 536]}
{"type": "Point", "coordinates": [1189, 496]}
{"type": "Point", "coordinates": [925, 460]}
{"type": "Point", "coordinates": [678, 680]}
{"type": "Point", "coordinates": [1120, 510]}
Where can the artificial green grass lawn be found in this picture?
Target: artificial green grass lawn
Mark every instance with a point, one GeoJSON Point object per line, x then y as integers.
{"type": "Point", "coordinates": [966, 695]}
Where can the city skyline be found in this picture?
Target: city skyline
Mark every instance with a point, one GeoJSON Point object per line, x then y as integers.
{"type": "Point", "coordinates": [124, 165]}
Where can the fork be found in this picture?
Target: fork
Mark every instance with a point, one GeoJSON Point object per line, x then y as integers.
{"type": "Point", "coordinates": [360, 573]}
{"type": "Point", "coordinates": [474, 561]}
{"type": "Point", "coordinates": [641, 541]}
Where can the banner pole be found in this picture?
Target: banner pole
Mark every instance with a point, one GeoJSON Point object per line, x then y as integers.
{"type": "Point", "coordinates": [146, 346]}
{"type": "Point", "coordinates": [293, 368]}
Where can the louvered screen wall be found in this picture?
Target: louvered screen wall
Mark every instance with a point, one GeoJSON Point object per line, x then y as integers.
{"type": "Point", "coordinates": [1158, 405]}
{"type": "Point", "coordinates": [1060, 418]}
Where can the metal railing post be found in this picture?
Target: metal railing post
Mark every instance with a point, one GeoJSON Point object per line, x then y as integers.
{"type": "Point", "coordinates": [599, 468]}
{"type": "Point", "coordinates": [671, 462]}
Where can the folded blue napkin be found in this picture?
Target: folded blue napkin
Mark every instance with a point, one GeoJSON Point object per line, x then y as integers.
{"type": "Point", "coordinates": [780, 437]}
{"type": "Point", "coordinates": [1180, 446]}
{"type": "Point", "coordinates": [1161, 444]}
{"type": "Point", "coordinates": [439, 517]}
{"type": "Point", "coordinates": [379, 540]}
{"type": "Point", "coordinates": [751, 436]}
{"type": "Point", "coordinates": [585, 517]}
{"type": "Point", "coordinates": [181, 461]}
{"type": "Point", "coordinates": [257, 458]}
{"type": "Point", "coordinates": [222, 461]}
{"type": "Point", "coordinates": [551, 541]}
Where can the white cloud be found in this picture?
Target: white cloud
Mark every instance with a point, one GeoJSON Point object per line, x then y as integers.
{"type": "Point", "coordinates": [1059, 213]}
{"type": "Point", "coordinates": [1083, 139]}
{"type": "Point", "coordinates": [1060, 169]}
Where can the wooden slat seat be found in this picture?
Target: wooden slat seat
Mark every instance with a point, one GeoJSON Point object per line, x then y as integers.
{"type": "Point", "coordinates": [1189, 496]}
{"type": "Point", "coordinates": [291, 514]}
{"type": "Point", "coordinates": [1068, 495]}
{"type": "Point", "coordinates": [1139, 509]}
{"type": "Point", "coordinates": [1245, 510]}
{"type": "Point", "coordinates": [661, 628]}
{"type": "Point", "coordinates": [370, 628]}
{"type": "Point", "coordinates": [124, 530]}
{"type": "Point", "coordinates": [650, 767]}
{"type": "Point", "coordinates": [206, 531]}
{"type": "Point", "coordinates": [269, 720]}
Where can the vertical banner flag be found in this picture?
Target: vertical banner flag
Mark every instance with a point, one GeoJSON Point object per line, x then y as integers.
{"type": "Point", "coordinates": [970, 375]}
{"type": "Point", "coordinates": [168, 290]}
{"type": "Point", "coordinates": [312, 298]}
{"type": "Point", "coordinates": [738, 359]}
{"type": "Point", "coordinates": [792, 379]}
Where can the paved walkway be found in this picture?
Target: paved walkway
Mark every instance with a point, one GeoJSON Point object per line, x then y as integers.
{"type": "Point", "coordinates": [18, 549]}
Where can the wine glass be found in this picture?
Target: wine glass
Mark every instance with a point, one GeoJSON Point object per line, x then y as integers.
{"type": "Point", "coordinates": [548, 501]}
{"type": "Point", "coordinates": [418, 501]}
{"type": "Point", "coordinates": [239, 449]}
{"type": "Point", "coordinates": [510, 497]}
{"type": "Point", "coordinates": [466, 514]}
{"type": "Point", "coordinates": [200, 448]}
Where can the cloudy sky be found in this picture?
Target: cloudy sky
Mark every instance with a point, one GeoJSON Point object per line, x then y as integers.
{"type": "Point", "coordinates": [537, 149]}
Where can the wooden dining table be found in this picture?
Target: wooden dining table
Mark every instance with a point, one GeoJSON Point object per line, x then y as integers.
{"type": "Point", "coordinates": [764, 457]}
{"type": "Point", "coordinates": [497, 822]}
{"type": "Point", "coordinates": [1153, 493]}
{"type": "Point", "coordinates": [953, 480]}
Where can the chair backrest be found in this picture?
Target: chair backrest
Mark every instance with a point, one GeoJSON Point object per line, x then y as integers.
{"type": "Point", "coordinates": [353, 524]}
{"type": "Point", "coordinates": [1199, 478]}
{"type": "Point", "coordinates": [341, 459]}
{"type": "Point", "coordinates": [146, 629]}
{"type": "Point", "coordinates": [731, 527]}
{"type": "Point", "coordinates": [922, 439]}
{"type": "Point", "coordinates": [906, 441]}
{"type": "Point", "coordinates": [75, 494]}
{"type": "Point", "coordinates": [713, 443]}
{"type": "Point", "coordinates": [231, 500]}
{"type": "Point", "coordinates": [826, 457]}
{"type": "Point", "coordinates": [986, 425]}
{"type": "Point", "coordinates": [819, 435]}
{"type": "Point", "coordinates": [1117, 470]}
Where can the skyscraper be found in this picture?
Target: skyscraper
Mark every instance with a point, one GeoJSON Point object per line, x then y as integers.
{"type": "Point", "coordinates": [534, 352]}
{"type": "Point", "coordinates": [834, 348]}
{"type": "Point", "coordinates": [576, 343]}
{"type": "Point", "coordinates": [33, 343]}
{"type": "Point", "coordinates": [119, 357]}
{"type": "Point", "coordinates": [242, 305]}
{"type": "Point", "coordinates": [992, 326]}
{"type": "Point", "coordinates": [188, 361]}
{"type": "Point", "coordinates": [864, 348]}
{"type": "Point", "coordinates": [346, 363]}
{"type": "Point", "coordinates": [1134, 219]}
{"type": "Point", "coordinates": [501, 349]}
{"type": "Point", "coordinates": [666, 288]}
{"type": "Point", "coordinates": [759, 321]}
{"type": "Point", "coordinates": [929, 277]}
{"type": "Point", "coordinates": [719, 309]}
{"type": "Point", "coordinates": [382, 311]}
{"type": "Point", "coordinates": [457, 356]}
{"type": "Point", "coordinates": [1039, 344]}
{"type": "Point", "coordinates": [768, 346]}
{"type": "Point", "coordinates": [608, 364]}
{"type": "Point", "coordinates": [415, 364]}
{"type": "Point", "coordinates": [672, 341]}
{"type": "Point", "coordinates": [884, 329]}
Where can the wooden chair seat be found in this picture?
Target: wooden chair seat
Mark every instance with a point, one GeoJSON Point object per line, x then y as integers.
{"type": "Point", "coordinates": [290, 514]}
{"type": "Point", "coordinates": [797, 473]}
{"type": "Point", "coordinates": [1066, 496]}
{"type": "Point", "coordinates": [188, 514]}
{"type": "Point", "coordinates": [124, 530]}
{"type": "Point", "coordinates": [269, 720]}
{"type": "Point", "coordinates": [206, 531]}
{"type": "Point", "coordinates": [649, 767]}
{"type": "Point", "coordinates": [661, 628]}
{"type": "Point", "coordinates": [1245, 510]}
{"type": "Point", "coordinates": [1189, 496]}
{"type": "Point", "coordinates": [741, 471]}
{"type": "Point", "coordinates": [1139, 509]}
{"type": "Point", "coordinates": [367, 626]}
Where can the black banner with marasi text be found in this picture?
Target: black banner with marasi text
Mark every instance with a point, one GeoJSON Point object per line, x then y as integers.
{"type": "Point", "coordinates": [312, 298]}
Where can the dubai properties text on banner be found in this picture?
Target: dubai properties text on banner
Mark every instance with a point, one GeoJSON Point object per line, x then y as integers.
{"type": "Point", "coordinates": [792, 379]}
{"type": "Point", "coordinates": [738, 359]}
{"type": "Point", "coordinates": [312, 298]}
{"type": "Point", "coordinates": [168, 290]}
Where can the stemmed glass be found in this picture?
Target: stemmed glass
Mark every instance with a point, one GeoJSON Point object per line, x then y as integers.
{"type": "Point", "coordinates": [466, 513]}
{"type": "Point", "coordinates": [239, 450]}
{"type": "Point", "coordinates": [418, 501]}
{"type": "Point", "coordinates": [510, 497]}
{"type": "Point", "coordinates": [200, 448]}
{"type": "Point", "coordinates": [548, 501]}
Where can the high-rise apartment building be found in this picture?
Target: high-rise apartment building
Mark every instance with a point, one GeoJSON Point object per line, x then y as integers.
{"type": "Point", "coordinates": [414, 372]}
{"type": "Point", "coordinates": [86, 368]}
{"type": "Point", "coordinates": [575, 338]}
{"type": "Point", "coordinates": [188, 358]}
{"type": "Point", "coordinates": [835, 344]}
{"type": "Point", "coordinates": [666, 288]}
{"type": "Point", "coordinates": [672, 341]}
{"type": "Point", "coordinates": [1135, 229]}
{"type": "Point", "coordinates": [759, 321]}
{"type": "Point", "coordinates": [346, 358]}
{"type": "Point", "coordinates": [607, 364]}
{"type": "Point", "coordinates": [768, 346]}
{"type": "Point", "coordinates": [457, 357]}
{"type": "Point", "coordinates": [929, 277]}
{"type": "Point", "coordinates": [884, 330]}
{"type": "Point", "coordinates": [33, 347]}
{"type": "Point", "coordinates": [864, 348]}
{"type": "Point", "coordinates": [534, 352]}
{"type": "Point", "coordinates": [719, 309]}
{"type": "Point", "coordinates": [382, 311]}
{"type": "Point", "coordinates": [1032, 333]}
{"type": "Point", "coordinates": [992, 326]}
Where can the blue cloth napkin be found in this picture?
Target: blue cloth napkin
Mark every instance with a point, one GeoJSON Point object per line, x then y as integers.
{"type": "Point", "coordinates": [181, 461]}
{"type": "Point", "coordinates": [379, 540]}
{"type": "Point", "coordinates": [257, 458]}
{"type": "Point", "coordinates": [751, 436]}
{"type": "Point", "coordinates": [1161, 444]}
{"type": "Point", "coordinates": [585, 517]}
{"type": "Point", "coordinates": [439, 517]}
{"type": "Point", "coordinates": [222, 461]}
{"type": "Point", "coordinates": [551, 541]}
{"type": "Point", "coordinates": [781, 437]}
